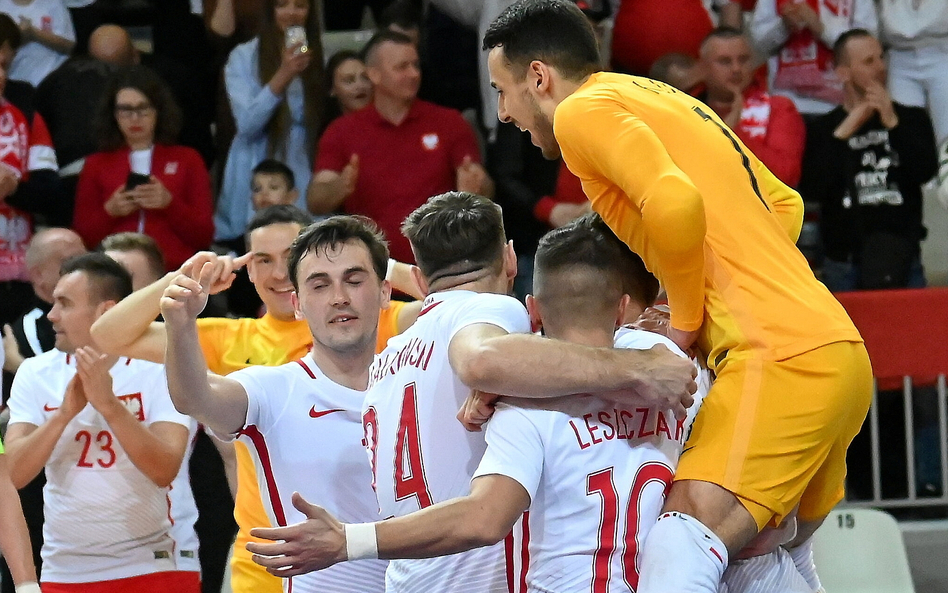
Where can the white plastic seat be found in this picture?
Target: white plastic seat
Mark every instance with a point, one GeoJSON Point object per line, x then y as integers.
{"type": "Point", "coordinates": [862, 551]}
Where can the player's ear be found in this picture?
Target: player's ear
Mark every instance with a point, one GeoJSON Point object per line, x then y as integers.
{"type": "Point", "coordinates": [623, 305]}
{"type": "Point", "coordinates": [536, 324]}
{"type": "Point", "coordinates": [510, 260]}
{"type": "Point", "coordinates": [297, 312]}
{"type": "Point", "coordinates": [386, 294]}
{"type": "Point", "coordinates": [419, 279]}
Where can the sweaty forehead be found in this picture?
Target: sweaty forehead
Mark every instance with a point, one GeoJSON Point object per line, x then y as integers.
{"type": "Point", "coordinates": [336, 258]}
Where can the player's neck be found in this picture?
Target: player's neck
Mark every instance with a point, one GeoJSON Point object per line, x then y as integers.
{"type": "Point", "coordinates": [349, 369]}
{"type": "Point", "coordinates": [475, 281]}
{"type": "Point", "coordinates": [598, 337]}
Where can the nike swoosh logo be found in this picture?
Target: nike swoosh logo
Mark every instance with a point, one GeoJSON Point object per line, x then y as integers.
{"type": "Point", "coordinates": [46, 408]}
{"type": "Point", "coordinates": [313, 413]}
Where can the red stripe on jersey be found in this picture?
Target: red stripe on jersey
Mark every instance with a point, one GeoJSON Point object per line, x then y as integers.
{"type": "Point", "coordinates": [715, 552]}
{"type": "Point", "coordinates": [300, 362]}
{"type": "Point", "coordinates": [260, 444]}
{"type": "Point", "coordinates": [525, 552]}
{"type": "Point", "coordinates": [508, 555]}
{"type": "Point", "coordinates": [429, 308]}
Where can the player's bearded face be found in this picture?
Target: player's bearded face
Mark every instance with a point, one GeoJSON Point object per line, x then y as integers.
{"type": "Point", "coordinates": [542, 131]}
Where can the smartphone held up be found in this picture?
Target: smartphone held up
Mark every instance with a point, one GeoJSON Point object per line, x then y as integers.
{"type": "Point", "coordinates": [296, 36]}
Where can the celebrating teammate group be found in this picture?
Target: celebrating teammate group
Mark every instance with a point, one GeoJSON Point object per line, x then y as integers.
{"type": "Point", "coordinates": [581, 443]}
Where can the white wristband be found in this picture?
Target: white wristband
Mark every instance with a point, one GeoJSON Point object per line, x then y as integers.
{"type": "Point", "coordinates": [361, 542]}
{"type": "Point", "coordinates": [28, 588]}
{"type": "Point", "coordinates": [388, 270]}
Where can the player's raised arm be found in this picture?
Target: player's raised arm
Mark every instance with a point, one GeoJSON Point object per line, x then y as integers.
{"type": "Point", "coordinates": [488, 359]}
{"type": "Point", "coordinates": [480, 519]}
{"type": "Point", "coordinates": [217, 402]}
{"type": "Point", "coordinates": [129, 328]}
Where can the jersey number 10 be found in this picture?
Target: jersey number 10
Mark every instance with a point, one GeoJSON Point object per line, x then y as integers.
{"type": "Point", "coordinates": [601, 483]}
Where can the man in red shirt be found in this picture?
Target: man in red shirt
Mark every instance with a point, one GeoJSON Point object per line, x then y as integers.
{"type": "Point", "coordinates": [769, 125]}
{"type": "Point", "coordinates": [388, 158]}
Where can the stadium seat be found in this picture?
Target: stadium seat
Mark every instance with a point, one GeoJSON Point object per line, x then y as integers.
{"type": "Point", "coordinates": [862, 551]}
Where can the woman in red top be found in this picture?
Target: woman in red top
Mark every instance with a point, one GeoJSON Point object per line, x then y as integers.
{"type": "Point", "coordinates": [142, 181]}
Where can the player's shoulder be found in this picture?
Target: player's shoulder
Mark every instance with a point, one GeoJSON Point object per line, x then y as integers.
{"type": "Point", "coordinates": [639, 339]}
{"type": "Point", "coordinates": [42, 366]}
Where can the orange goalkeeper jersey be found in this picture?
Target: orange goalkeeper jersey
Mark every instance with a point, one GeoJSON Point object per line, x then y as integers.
{"type": "Point", "coordinates": [707, 217]}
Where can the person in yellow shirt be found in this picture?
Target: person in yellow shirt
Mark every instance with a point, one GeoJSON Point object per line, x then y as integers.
{"type": "Point", "coordinates": [233, 344]}
{"type": "Point", "coordinates": [718, 230]}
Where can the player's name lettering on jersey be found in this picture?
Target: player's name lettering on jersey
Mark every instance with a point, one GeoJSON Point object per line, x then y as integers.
{"type": "Point", "coordinates": [415, 354]}
{"type": "Point", "coordinates": [622, 424]}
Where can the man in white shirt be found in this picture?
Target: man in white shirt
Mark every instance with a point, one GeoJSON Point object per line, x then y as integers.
{"type": "Point", "coordinates": [111, 442]}
{"type": "Point", "coordinates": [468, 336]}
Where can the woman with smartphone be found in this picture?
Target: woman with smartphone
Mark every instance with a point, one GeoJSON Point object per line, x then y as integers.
{"type": "Point", "coordinates": [275, 86]}
{"type": "Point", "coordinates": [142, 181]}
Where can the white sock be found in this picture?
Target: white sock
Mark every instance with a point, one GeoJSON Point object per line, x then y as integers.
{"type": "Point", "coordinates": [681, 555]}
{"type": "Point", "coordinates": [768, 573]}
{"type": "Point", "coordinates": [803, 559]}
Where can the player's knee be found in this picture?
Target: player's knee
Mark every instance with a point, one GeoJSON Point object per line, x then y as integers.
{"type": "Point", "coordinates": [681, 554]}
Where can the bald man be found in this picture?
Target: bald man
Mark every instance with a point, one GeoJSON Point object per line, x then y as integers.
{"type": "Point", "coordinates": [111, 44]}
{"type": "Point", "coordinates": [32, 333]}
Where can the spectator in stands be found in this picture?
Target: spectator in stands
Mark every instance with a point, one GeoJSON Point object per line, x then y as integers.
{"type": "Point", "coordinates": [681, 71]}
{"type": "Point", "coordinates": [645, 30]}
{"type": "Point", "coordinates": [28, 184]}
{"type": "Point", "coordinates": [85, 19]}
{"type": "Point", "coordinates": [799, 36]}
{"type": "Point", "coordinates": [868, 160]}
{"type": "Point", "coordinates": [48, 37]}
{"type": "Point", "coordinates": [70, 96]}
{"type": "Point", "coordinates": [273, 184]}
{"type": "Point", "coordinates": [361, 159]}
{"type": "Point", "coordinates": [768, 125]}
{"type": "Point", "coordinates": [108, 527]}
{"type": "Point", "coordinates": [139, 254]}
{"type": "Point", "coordinates": [403, 16]}
{"type": "Point", "coordinates": [916, 34]}
{"type": "Point", "coordinates": [277, 97]}
{"type": "Point", "coordinates": [349, 86]}
{"type": "Point", "coordinates": [143, 181]}
{"type": "Point", "coordinates": [347, 16]}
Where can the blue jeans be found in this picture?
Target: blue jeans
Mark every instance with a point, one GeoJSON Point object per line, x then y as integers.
{"type": "Point", "coordinates": [843, 276]}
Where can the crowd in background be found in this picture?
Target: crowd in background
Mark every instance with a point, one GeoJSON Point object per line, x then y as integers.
{"type": "Point", "coordinates": [152, 130]}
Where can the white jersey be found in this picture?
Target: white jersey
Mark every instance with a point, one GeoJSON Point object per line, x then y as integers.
{"type": "Point", "coordinates": [184, 512]}
{"type": "Point", "coordinates": [305, 434]}
{"type": "Point", "coordinates": [105, 519]}
{"type": "Point", "coordinates": [420, 453]}
{"type": "Point", "coordinates": [597, 473]}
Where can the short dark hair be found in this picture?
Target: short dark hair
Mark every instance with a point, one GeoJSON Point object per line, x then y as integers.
{"type": "Point", "coordinates": [279, 214]}
{"type": "Point", "coordinates": [839, 48]}
{"type": "Point", "coordinates": [335, 231]}
{"type": "Point", "coordinates": [383, 36]}
{"type": "Point", "coordinates": [404, 14]}
{"type": "Point", "coordinates": [137, 242]}
{"type": "Point", "coordinates": [147, 82]}
{"type": "Point", "coordinates": [555, 32]}
{"type": "Point", "coordinates": [455, 233]}
{"type": "Point", "coordinates": [111, 281]}
{"type": "Point", "coordinates": [10, 32]}
{"type": "Point", "coordinates": [588, 241]}
{"type": "Point", "coordinates": [275, 167]}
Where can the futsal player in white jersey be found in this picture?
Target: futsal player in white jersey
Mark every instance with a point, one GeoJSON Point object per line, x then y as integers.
{"type": "Point", "coordinates": [302, 420]}
{"type": "Point", "coordinates": [111, 443]}
{"type": "Point", "coordinates": [466, 337]}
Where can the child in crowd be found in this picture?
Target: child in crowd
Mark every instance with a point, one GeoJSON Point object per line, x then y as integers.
{"type": "Point", "coordinates": [272, 184]}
